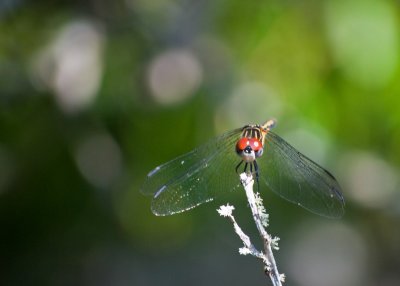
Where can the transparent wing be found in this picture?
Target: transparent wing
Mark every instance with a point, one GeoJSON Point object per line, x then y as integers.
{"type": "Point", "coordinates": [298, 179]}
{"type": "Point", "coordinates": [195, 177]}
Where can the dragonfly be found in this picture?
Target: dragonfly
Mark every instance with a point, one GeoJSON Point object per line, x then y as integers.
{"type": "Point", "coordinates": [212, 169]}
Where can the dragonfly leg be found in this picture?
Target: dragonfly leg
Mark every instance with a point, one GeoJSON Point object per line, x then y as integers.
{"type": "Point", "coordinates": [257, 174]}
{"type": "Point", "coordinates": [245, 167]}
{"type": "Point", "coordinates": [238, 165]}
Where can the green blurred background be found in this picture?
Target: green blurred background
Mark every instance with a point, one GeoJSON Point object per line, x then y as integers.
{"type": "Point", "coordinates": [94, 94]}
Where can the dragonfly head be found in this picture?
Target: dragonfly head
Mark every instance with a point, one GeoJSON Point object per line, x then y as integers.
{"type": "Point", "coordinates": [249, 149]}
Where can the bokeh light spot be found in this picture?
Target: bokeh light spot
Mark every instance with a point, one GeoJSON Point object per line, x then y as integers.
{"type": "Point", "coordinates": [174, 76]}
{"type": "Point", "coordinates": [327, 255]}
{"type": "Point", "coordinates": [250, 102]}
{"type": "Point", "coordinates": [99, 160]}
{"type": "Point", "coordinates": [370, 180]}
{"type": "Point", "coordinates": [71, 66]}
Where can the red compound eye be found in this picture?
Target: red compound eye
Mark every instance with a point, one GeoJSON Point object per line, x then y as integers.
{"type": "Point", "coordinates": [241, 144]}
{"type": "Point", "coordinates": [254, 143]}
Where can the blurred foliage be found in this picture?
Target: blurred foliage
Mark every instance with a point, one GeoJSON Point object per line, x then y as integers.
{"type": "Point", "coordinates": [94, 94]}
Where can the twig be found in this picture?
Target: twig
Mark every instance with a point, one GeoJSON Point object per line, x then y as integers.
{"type": "Point", "coordinates": [261, 219]}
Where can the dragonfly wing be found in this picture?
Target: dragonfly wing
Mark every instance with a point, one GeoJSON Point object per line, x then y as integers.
{"type": "Point", "coordinates": [195, 177]}
{"type": "Point", "coordinates": [298, 179]}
